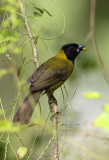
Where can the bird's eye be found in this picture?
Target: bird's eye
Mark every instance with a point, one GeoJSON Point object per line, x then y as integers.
{"type": "Point", "coordinates": [72, 48]}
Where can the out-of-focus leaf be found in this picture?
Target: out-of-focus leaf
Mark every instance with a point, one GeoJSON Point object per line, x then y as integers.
{"type": "Point", "coordinates": [2, 11]}
{"type": "Point", "coordinates": [103, 121]}
{"type": "Point", "coordinates": [7, 36]}
{"type": "Point", "coordinates": [47, 12]}
{"type": "Point", "coordinates": [40, 10]}
{"type": "Point", "coordinates": [16, 24]}
{"type": "Point", "coordinates": [14, 37]}
{"type": "Point", "coordinates": [36, 14]}
{"type": "Point", "coordinates": [106, 108]}
{"type": "Point", "coordinates": [21, 152]}
{"type": "Point", "coordinates": [4, 72]}
{"type": "Point", "coordinates": [92, 95]}
{"type": "Point", "coordinates": [103, 118]}
{"type": "Point", "coordinates": [3, 46]}
{"type": "Point", "coordinates": [43, 10]}
{"type": "Point", "coordinates": [6, 125]}
{"type": "Point", "coordinates": [3, 49]}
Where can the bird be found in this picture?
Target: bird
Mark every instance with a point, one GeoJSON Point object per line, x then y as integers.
{"type": "Point", "coordinates": [48, 77]}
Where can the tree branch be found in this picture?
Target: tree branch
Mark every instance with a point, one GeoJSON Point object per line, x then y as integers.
{"type": "Point", "coordinates": [92, 31]}
{"type": "Point", "coordinates": [30, 35]}
{"type": "Point", "coordinates": [53, 108]}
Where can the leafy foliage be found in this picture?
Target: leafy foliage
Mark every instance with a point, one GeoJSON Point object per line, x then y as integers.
{"type": "Point", "coordinates": [8, 30]}
{"type": "Point", "coordinates": [92, 95]}
{"type": "Point", "coordinates": [6, 126]}
{"type": "Point", "coordinates": [103, 118]}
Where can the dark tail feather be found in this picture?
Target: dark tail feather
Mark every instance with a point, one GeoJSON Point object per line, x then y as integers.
{"type": "Point", "coordinates": [26, 109]}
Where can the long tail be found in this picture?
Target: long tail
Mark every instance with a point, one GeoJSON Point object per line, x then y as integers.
{"type": "Point", "coordinates": [26, 109]}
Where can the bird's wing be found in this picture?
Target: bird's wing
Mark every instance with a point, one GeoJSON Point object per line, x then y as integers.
{"type": "Point", "coordinates": [48, 75]}
{"type": "Point", "coordinates": [36, 75]}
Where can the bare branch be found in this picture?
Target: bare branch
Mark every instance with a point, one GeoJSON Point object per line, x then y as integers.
{"type": "Point", "coordinates": [30, 35]}
{"type": "Point", "coordinates": [53, 108]}
{"type": "Point", "coordinates": [3, 42]}
{"type": "Point", "coordinates": [92, 31]}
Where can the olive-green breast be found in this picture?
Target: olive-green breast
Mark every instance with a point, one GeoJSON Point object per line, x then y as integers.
{"type": "Point", "coordinates": [63, 65]}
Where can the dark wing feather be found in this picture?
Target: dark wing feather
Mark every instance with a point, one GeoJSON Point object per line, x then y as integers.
{"type": "Point", "coordinates": [49, 75]}
{"type": "Point", "coordinates": [36, 75]}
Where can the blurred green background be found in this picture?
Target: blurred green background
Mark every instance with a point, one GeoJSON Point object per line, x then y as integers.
{"type": "Point", "coordinates": [81, 140]}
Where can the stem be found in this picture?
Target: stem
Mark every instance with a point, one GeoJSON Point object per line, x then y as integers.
{"type": "Point", "coordinates": [35, 53]}
{"type": "Point", "coordinates": [53, 108]}
{"type": "Point", "coordinates": [3, 42]}
{"type": "Point", "coordinates": [92, 31]}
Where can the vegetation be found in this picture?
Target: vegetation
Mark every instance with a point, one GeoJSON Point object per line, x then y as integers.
{"type": "Point", "coordinates": [30, 33]}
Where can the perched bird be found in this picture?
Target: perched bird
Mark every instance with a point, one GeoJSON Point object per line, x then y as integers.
{"type": "Point", "coordinates": [47, 78]}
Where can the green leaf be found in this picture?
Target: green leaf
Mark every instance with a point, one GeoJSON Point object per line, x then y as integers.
{"type": "Point", "coordinates": [4, 46]}
{"type": "Point", "coordinates": [21, 152]}
{"type": "Point", "coordinates": [9, 37]}
{"type": "Point", "coordinates": [47, 12]}
{"type": "Point", "coordinates": [92, 95]}
{"type": "Point", "coordinates": [2, 10]}
{"type": "Point", "coordinates": [17, 23]}
{"type": "Point", "coordinates": [36, 14]}
{"type": "Point", "coordinates": [6, 125]}
{"type": "Point", "coordinates": [106, 108]}
{"type": "Point", "coordinates": [103, 118]}
{"type": "Point", "coordinates": [6, 35]}
{"type": "Point", "coordinates": [102, 121]}
{"type": "Point", "coordinates": [40, 10]}
{"type": "Point", "coordinates": [14, 37]}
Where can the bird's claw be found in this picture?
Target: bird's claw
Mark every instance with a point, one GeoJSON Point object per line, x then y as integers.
{"type": "Point", "coordinates": [52, 100]}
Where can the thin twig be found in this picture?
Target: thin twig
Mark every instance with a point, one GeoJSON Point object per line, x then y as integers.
{"type": "Point", "coordinates": [3, 42]}
{"type": "Point", "coordinates": [53, 108]}
{"type": "Point", "coordinates": [92, 31]}
{"type": "Point", "coordinates": [35, 53]}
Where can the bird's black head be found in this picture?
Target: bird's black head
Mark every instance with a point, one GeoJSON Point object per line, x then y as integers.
{"type": "Point", "coordinates": [72, 50]}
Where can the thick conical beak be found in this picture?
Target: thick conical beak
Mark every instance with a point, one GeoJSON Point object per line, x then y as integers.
{"type": "Point", "coordinates": [82, 48]}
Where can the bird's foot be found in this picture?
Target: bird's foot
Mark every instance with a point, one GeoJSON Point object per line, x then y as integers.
{"type": "Point", "coordinates": [52, 100]}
